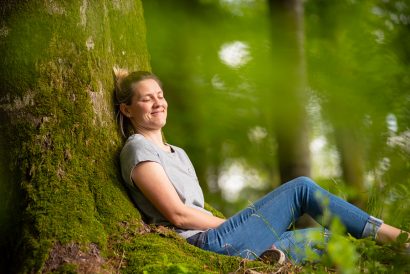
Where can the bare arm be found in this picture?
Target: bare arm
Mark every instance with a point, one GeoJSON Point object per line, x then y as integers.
{"type": "Point", "coordinates": [152, 180]}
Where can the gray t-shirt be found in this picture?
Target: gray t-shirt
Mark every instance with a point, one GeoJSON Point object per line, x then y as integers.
{"type": "Point", "coordinates": [179, 170]}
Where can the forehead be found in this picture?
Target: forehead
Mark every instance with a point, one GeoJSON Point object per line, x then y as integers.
{"type": "Point", "coordinates": [147, 86]}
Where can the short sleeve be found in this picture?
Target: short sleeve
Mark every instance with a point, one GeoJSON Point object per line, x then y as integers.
{"type": "Point", "coordinates": [135, 151]}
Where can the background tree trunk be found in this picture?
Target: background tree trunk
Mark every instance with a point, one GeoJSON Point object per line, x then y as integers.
{"type": "Point", "coordinates": [349, 111]}
{"type": "Point", "coordinates": [288, 87]}
{"type": "Point", "coordinates": [351, 151]}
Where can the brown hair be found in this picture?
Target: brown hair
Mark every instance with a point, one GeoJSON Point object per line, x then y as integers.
{"type": "Point", "coordinates": [125, 83]}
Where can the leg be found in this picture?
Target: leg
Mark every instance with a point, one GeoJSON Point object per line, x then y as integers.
{"type": "Point", "coordinates": [296, 243]}
{"type": "Point", "coordinates": [254, 229]}
{"type": "Point", "coordinates": [388, 233]}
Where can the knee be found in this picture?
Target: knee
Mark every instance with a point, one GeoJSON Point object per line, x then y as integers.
{"type": "Point", "coordinates": [305, 181]}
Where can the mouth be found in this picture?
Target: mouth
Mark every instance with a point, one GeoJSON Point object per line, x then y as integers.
{"type": "Point", "coordinates": [157, 112]}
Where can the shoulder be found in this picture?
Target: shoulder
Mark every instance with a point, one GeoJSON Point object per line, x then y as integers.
{"type": "Point", "coordinates": [137, 142]}
{"type": "Point", "coordinates": [138, 148]}
{"type": "Point", "coordinates": [182, 154]}
{"type": "Point", "coordinates": [179, 150]}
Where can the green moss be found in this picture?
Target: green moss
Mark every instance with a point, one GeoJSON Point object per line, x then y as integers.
{"type": "Point", "coordinates": [158, 253]}
{"type": "Point", "coordinates": [214, 211]}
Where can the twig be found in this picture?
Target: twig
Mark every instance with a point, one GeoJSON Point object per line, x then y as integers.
{"type": "Point", "coordinates": [122, 257]}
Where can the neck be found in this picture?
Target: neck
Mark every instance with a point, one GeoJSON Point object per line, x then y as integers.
{"type": "Point", "coordinates": [154, 136]}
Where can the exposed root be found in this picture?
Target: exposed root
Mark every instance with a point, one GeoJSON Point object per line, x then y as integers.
{"type": "Point", "coordinates": [89, 261]}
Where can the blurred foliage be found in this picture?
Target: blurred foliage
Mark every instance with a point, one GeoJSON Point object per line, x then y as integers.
{"type": "Point", "coordinates": [215, 60]}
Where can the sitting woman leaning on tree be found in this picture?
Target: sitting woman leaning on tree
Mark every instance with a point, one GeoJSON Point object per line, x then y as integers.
{"type": "Point", "coordinates": [163, 184]}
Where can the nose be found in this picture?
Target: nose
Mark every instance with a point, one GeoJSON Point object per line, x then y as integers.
{"type": "Point", "coordinates": [157, 102]}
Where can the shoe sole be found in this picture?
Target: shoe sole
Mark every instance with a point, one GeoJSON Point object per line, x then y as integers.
{"type": "Point", "coordinates": [273, 256]}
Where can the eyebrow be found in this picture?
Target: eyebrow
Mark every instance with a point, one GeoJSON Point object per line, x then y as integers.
{"type": "Point", "coordinates": [151, 93]}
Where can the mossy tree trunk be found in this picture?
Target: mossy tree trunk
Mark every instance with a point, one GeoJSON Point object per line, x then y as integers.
{"type": "Point", "coordinates": [63, 206]}
{"type": "Point", "coordinates": [60, 181]}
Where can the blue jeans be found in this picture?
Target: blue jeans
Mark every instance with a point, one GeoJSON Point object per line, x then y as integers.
{"type": "Point", "coordinates": [266, 222]}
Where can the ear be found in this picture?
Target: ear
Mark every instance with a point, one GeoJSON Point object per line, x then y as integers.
{"type": "Point", "coordinates": [124, 110]}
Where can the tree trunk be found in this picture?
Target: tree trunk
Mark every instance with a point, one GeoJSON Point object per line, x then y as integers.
{"type": "Point", "coordinates": [350, 149]}
{"type": "Point", "coordinates": [344, 83]}
{"type": "Point", "coordinates": [59, 140]}
{"type": "Point", "coordinates": [289, 84]}
{"type": "Point", "coordinates": [289, 81]}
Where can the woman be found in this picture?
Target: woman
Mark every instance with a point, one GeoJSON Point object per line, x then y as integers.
{"type": "Point", "coordinates": [163, 185]}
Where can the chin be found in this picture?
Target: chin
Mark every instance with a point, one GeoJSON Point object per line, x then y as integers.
{"type": "Point", "coordinates": [159, 125]}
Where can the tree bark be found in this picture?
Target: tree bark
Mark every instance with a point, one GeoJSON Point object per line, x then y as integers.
{"type": "Point", "coordinates": [59, 140]}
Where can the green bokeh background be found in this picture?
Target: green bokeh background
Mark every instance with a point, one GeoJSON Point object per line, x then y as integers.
{"type": "Point", "coordinates": [356, 96]}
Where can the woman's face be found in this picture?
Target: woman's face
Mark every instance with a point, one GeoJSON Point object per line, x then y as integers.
{"type": "Point", "coordinates": [148, 109]}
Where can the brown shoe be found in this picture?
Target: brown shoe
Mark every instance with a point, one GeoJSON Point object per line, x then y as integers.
{"type": "Point", "coordinates": [273, 256]}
